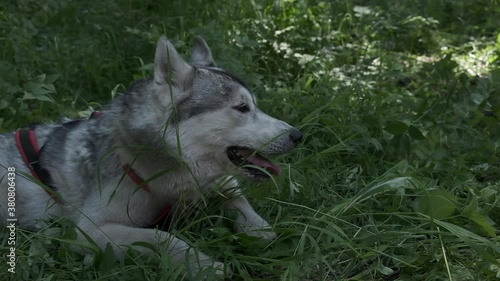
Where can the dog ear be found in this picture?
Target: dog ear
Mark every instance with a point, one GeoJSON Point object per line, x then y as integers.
{"type": "Point", "coordinates": [169, 65]}
{"type": "Point", "coordinates": [201, 56]}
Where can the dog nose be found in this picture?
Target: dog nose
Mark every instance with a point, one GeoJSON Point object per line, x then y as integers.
{"type": "Point", "coordinates": [295, 136]}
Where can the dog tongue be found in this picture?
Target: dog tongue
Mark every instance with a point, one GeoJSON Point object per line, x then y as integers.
{"type": "Point", "coordinates": [261, 161]}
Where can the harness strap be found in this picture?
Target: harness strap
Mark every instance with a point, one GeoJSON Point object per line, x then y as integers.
{"type": "Point", "coordinates": [27, 146]}
{"type": "Point", "coordinates": [30, 152]}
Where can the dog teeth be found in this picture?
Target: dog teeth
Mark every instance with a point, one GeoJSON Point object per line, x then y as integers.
{"type": "Point", "coordinates": [241, 154]}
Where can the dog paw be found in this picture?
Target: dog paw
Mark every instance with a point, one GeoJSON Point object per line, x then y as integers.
{"type": "Point", "coordinates": [203, 265]}
{"type": "Point", "coordinates": [266, 235]}
{"type": "Point", "coordinates": [256, 227]}
{"type": "Point", "coordinates": [219, 268]}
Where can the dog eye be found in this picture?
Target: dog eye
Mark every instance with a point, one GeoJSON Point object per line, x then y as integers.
{"type": "Point", "coordinates": [243, 108]}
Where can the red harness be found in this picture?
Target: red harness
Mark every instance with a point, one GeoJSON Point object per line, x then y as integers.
{"type": "Point", "coordinates": [32, 141]}
{"type": "Point", "coordinates": [30, 152]}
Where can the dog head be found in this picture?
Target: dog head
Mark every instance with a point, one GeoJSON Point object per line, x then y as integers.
{"type": "Point", "coordinates": [213, 117]}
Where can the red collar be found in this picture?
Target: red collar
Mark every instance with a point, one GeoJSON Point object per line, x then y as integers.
{"type": "Point", "coordinates": [141, 183]}
{"type": "Point", "coordinates": [133, 176]}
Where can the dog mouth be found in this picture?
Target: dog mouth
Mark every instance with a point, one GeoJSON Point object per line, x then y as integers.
{"type": "Point", "coordinates": [241, 156]}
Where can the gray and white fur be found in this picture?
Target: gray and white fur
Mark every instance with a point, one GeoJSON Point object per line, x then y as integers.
{"type": "Point", "coordinates": [182, 127]}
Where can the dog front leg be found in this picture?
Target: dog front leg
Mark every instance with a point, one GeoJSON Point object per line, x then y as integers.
{"type": "Point", "coordinates": [248, 221]}
{"type": "Point", "coordinates": [119, 235]}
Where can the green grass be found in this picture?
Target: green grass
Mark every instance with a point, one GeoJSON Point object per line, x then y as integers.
{"type": "Point", "coordinates": [398, 176]}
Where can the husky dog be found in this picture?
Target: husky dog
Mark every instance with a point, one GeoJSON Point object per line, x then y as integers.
{"type": "Point", "coordinates": [175, 137]}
